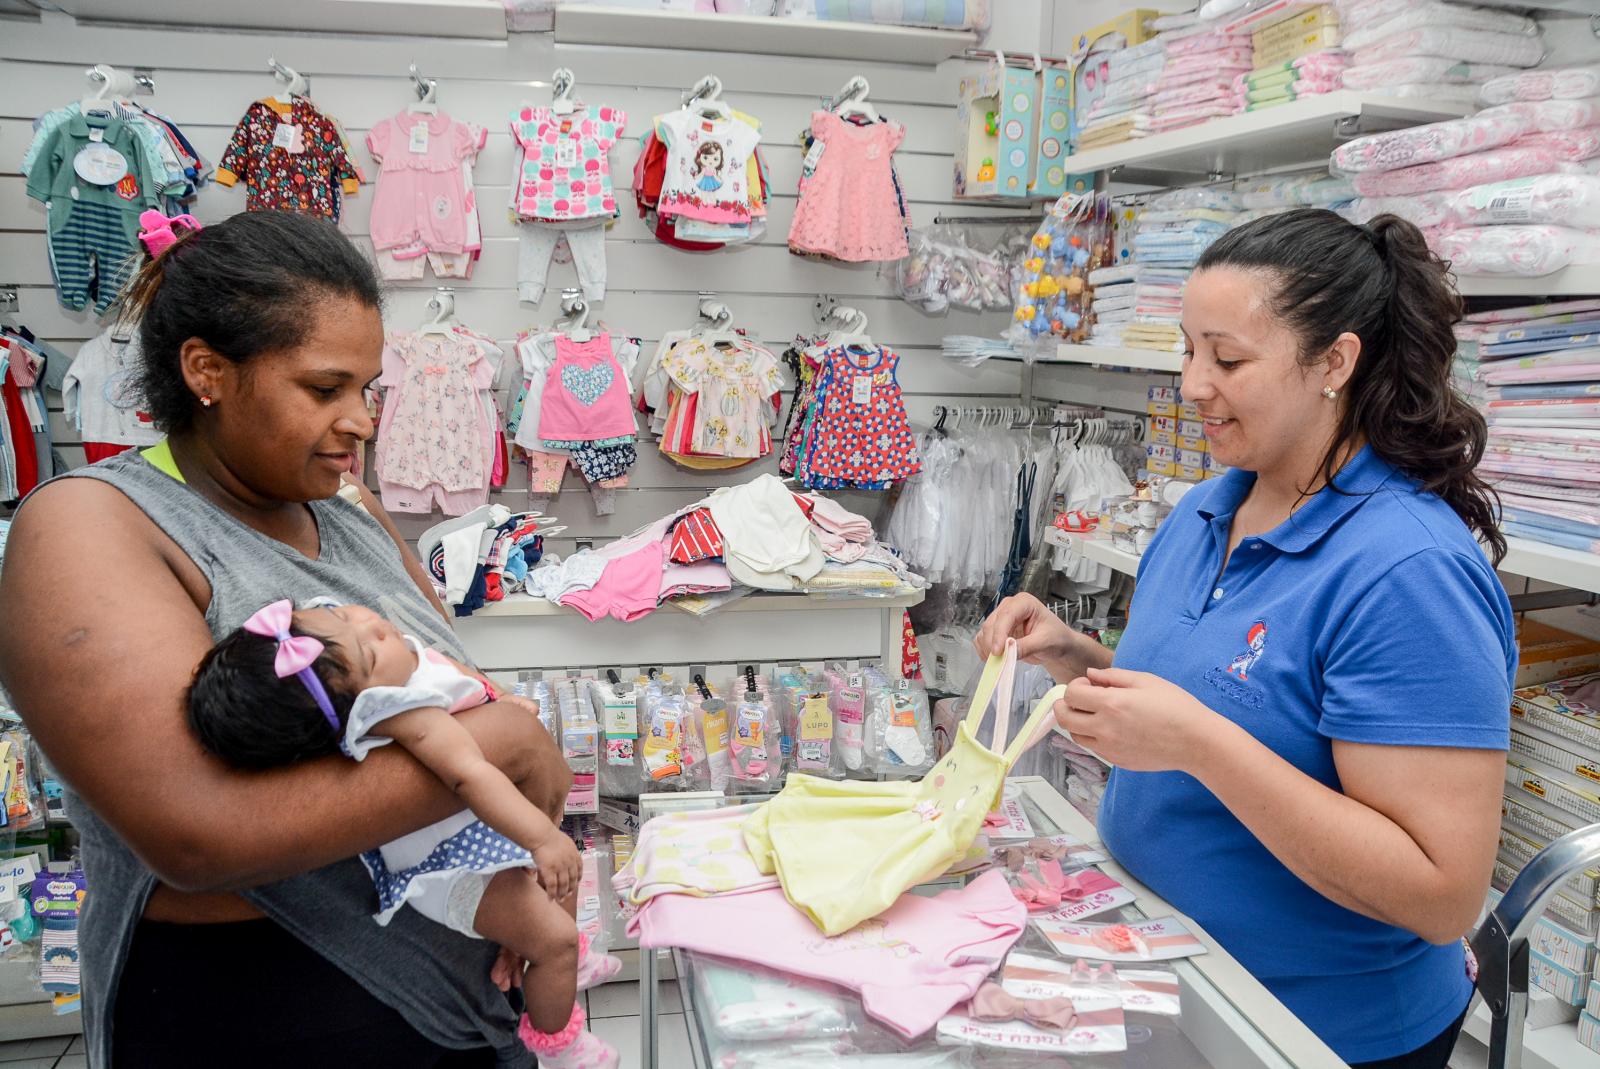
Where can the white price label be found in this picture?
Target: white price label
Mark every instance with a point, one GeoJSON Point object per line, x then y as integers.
{"type": "Point", "coordinates": [419, 139]}
{"type": "Point", "coordinates": [566, 154]}
{"type": "Point", "coordinates": [812, 157]}
{"type": "Point", "coordinates": [100, 165]}
{"type": "Point", "coordinates": [286, 136]}
{"type": "Point", "coordinates": [861, 391]}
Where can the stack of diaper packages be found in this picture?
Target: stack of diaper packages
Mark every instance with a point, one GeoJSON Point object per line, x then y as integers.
{"type": "Point", "coordinates": [1510, 190]}
{"type": "Point", "coordinates": [1433, 49]}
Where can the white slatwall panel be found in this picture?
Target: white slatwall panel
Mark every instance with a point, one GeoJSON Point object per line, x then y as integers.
{"type": "Point", "coordinates": [205, 79]}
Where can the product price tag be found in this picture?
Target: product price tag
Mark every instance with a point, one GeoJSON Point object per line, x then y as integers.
{"type": "Point", "coordinates": [287, 137]}
{"type": "Point", "coordinates": [716, 729]}
{"type": "Point", "coordinates": [419, 139]}
{"type": "Point", "coordinates": [99, 164]}
{"type": "Point", "coordinates": [1505, 202]}
{"type": "Point", "coordinates": [622, 717]}
{"type": "Point", "coordinates": [566, 154]}
{"type": "Point", "coordinates": [816, 719]}
{"type": "Point", "coordinates": [861, 391]}
{"type": "Point", "coordinates": [809, 164]}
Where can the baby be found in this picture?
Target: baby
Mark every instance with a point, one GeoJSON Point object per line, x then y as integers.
{"type": "Point", "coordinates": [291, 685]}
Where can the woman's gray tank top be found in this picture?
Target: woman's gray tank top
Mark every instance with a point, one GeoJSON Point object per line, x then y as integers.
{"type": "Point", "coordinates": [437, 979]}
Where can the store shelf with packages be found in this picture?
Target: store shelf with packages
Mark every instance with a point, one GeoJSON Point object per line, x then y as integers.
{"type": "Point", "coordinates": [902, 598]}
{"type": "Point", "coordinates": [1575, 281]}
{"type": "Point", "coordinates": [596, 24]}
{"type": "Point", "coordinates": [1302, 131]}
{"type": "Point", "coordinates": [1096, 548]}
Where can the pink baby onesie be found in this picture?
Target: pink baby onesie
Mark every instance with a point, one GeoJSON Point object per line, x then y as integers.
{"type": "Point", "coordinates": [849, 208]}
{"type": "Point", "coordinates": [565, 172]}
{"type": "Point", "coordinates": [912, 963]}
{"type": "Point", "coordinates": [586, 394]}
{"type": "Point", "coordinates": [423, 203]}
{"type": "Point", "coordinates": [436, 437]}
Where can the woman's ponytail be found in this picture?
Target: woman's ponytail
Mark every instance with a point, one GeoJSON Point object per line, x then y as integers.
{"type": "Point", "coordinates": [1381, 283]}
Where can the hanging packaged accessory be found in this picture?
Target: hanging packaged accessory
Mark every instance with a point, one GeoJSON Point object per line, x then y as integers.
{"type": "Point", "coordinates": [845, 851]}
{"type": "Point", "coordinates": [713, 727]}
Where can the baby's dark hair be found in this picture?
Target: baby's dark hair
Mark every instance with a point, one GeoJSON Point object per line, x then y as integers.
{"type": "Point", "coordinates": [243, 713]}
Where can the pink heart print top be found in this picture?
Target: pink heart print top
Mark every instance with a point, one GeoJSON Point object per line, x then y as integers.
{"type": "Point", "coordinates": [586, 394]}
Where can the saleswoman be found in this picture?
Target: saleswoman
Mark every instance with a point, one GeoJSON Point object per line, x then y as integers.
{"type": "Point", "coordinates": [1308, 709]}
{"type": "Point", "coordinates": [228, 920]}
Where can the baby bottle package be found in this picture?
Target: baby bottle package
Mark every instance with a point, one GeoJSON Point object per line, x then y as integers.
{"type": "Point", "coordinates": [580, 742]}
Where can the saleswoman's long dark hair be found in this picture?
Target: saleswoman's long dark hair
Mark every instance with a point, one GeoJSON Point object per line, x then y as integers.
{"type": "Point", "coordinates": [1382, 284]}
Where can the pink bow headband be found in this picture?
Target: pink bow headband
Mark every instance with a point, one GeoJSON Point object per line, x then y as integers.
{"type": "Point", "coordinates": [296, 653]}
{"type": "Point", "coordinates": [994, 1003]}
{"type": "Point", "coordinates": [156, 230]}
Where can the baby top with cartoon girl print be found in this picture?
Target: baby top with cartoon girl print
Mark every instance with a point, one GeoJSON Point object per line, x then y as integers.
{"type": "Point", "coordinates": [707, 168]}
{"type": "Point", "coordinates": [294, 685]}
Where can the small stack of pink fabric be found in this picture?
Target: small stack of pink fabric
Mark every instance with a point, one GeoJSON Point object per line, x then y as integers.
{"type": "Point", "coordinates": [1309, 75]}
{"type": "Point", "coordinates": [1196, 82]}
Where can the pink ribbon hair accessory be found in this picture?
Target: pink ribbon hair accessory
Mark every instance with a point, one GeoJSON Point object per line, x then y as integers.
{"type": "Point", "coordinates": [994, 1003]}
{"type": "Point", "coordinates": [155, 229]}
{"type": "Point", "coordinates": [296, 653]}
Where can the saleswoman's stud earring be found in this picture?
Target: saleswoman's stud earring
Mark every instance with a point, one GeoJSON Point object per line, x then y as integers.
{"type": "Point", "coordinates": [205, 399]}
{"type": "Point", "coordinates": [1330, 393]}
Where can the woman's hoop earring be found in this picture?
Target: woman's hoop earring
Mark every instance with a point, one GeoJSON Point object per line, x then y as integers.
{"type": "Point", "coordinates": [205, 399]}
{"type": "Point", "coordinates": [1330, 393]}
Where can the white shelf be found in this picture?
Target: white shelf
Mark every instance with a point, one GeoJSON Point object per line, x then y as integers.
{"type": "Point", "coordinates": [1554, 1047]}
{"type": "Point", "coordinates": [1304, 131]}
{"type": "Point", "coordinates": [1552, 564]}
{"type": "Point", "coordinates": [524, 605]}
{"type": "Point", "coordinates": [1146, 359]}
{"type": "Point", "coordinates": [1100, 550]}
{"type": "Point", "coordinates": [1568, 282]}
{"type": "Point", "coordinates": [590, 24]}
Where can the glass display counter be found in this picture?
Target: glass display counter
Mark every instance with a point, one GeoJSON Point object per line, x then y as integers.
{"type": "Point", "coordinates": [1227, 1020]}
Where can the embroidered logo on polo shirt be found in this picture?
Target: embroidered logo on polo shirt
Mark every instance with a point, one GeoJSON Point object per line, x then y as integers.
{"type": "Point", "coordinates": [1232, 679]}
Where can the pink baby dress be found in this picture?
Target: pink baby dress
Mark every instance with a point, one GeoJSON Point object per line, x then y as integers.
{"type": "Point", "coordinates": [586, 394]}
{"type": "Point", "coordinates": [423, 200]}
{"type": "Point", "coordinates": [849, 208]}
{"type": "Point", "coordinates": [433, 429]}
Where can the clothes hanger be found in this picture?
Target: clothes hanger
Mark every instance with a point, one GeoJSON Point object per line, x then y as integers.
{"type": "Point", "coordinates": [443, 306]}
{"type": "Point", "coordinates": [719, 331]}
{"type": "Point", "coordinates": [852, 100]}
{"type": "Point", "coordinates": [576, 328]}
{"type": "Point", "coordinates": [427, 102]}
{"type": "Point", "coordinates": [110, 86]}
{"type": "Point", "coordinates": [706, 98]}
{"type": "Point", "coordinates": [294, 83]}
{"type": "Point", "coordinates": [562, 84]}
{"type": "Point", "coordinates": [853, 330]}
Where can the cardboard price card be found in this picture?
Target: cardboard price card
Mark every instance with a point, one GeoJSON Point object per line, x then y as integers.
{"type": "Point", "coordinates": [1095, 1024]}
{"type": "Point", "coordinates": [1152, 940]}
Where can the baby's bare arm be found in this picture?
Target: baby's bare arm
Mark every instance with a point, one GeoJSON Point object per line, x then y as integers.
{"type": "Point", "coordinates": [448, 750]}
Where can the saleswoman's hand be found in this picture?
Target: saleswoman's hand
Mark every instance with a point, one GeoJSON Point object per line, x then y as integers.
{"type": "Point", "coordinates": [1138, 721]}
{"type": "Point", "coordinates": [1043, 638]}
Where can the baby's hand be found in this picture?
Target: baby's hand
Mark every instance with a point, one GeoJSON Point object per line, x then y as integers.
{"type": "Point", "coordinates": [508, 969]}
{"type": "Point", "coordinates": [560, 868]}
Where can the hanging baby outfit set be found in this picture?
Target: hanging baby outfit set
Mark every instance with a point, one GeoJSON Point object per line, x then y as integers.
{"type": "Point", "coordinates": [425, 209]}
{"type": "Point", "coordinates": [291, 157]}
{"type": "Point", "coordinates": [700, 182]}
{"type": "Point", "coordinates": [563, 189]}
{"type": "Point", "coordinates": [100, 396]}
{"type": "Point", "coordinates": [850, 207]}
{"type": "Point", "coordinates": [575, 410]}
{"type": "Point", "coordinates": [848, 426]}
{"type": "Point", "coordinates": [439, 434]}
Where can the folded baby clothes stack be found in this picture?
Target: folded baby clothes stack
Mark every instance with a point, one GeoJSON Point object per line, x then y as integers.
{"type": "Point", "coordinates": [1122, 110]}
{"type": "Point", "coordinates": [1196, 81]}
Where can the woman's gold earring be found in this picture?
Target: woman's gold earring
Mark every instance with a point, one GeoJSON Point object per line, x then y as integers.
{"type": "Point", "coordinates": [1330, 393]}
{"type": "Point", "coordinates": [205, 399]}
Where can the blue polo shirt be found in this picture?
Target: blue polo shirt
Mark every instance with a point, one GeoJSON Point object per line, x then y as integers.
{"type": "Point", "coordinates": [1370, 616]}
